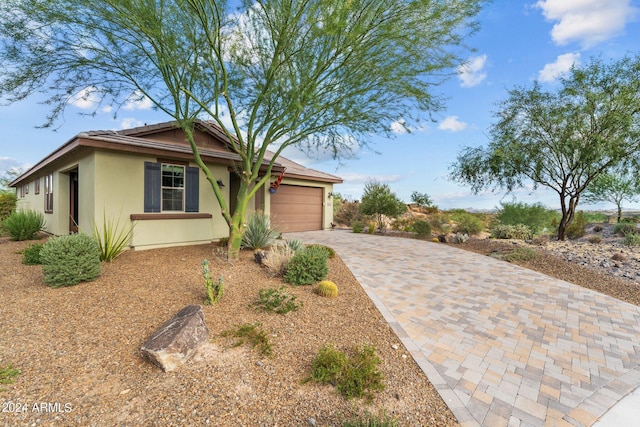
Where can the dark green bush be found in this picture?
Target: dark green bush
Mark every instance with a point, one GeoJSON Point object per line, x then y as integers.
{"type": "Point", "coordinates": [625, 228]}
{"type": "Point", "coordinates": [69, 260]}
{"type": "Point", "coordinates": [308, 267]}
{"type": "Point", "coordinates": [632, 239]}
{"type": "Point", "coordinates": [422, 228]}
{"type": "Point", "coordinates": [578, 226]}
{"type": "Point", "coordinates": [329, 251]}
{"type": "Point", "coordinates": [357, 227]}
{"type": "Point", "coordinates": [7, 204]}
{"type": "Point", "coordinates": [277, 300]}
{"type": "Point", "coordinates": [355, 376]}
{"type": "Point", "coordinates": [31, 254]}
{"type": "Point", "coordinates": [24, 225]}
{"type": "Point", "coordinates": [537, 217]}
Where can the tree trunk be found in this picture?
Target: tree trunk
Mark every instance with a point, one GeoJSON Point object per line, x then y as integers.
{"type": "Point", "coordinates": [619, 212]}
{"type": "Point", "coordinates": [236, 228]}
{"type": "Point", "coordinates": [568, 212]}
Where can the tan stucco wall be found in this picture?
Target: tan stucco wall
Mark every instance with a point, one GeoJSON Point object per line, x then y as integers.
{"type": "Point", "coordinates": [120, 193]}
{"type": "Point", "coordinates": [327, 202]}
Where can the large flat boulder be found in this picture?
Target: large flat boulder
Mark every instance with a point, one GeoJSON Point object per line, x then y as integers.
{"type": "Point", "coordinates": [177, 339]}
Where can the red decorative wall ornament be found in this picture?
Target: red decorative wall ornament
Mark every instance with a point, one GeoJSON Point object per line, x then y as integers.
{"type": "Point", "coordinates": [275, 184]}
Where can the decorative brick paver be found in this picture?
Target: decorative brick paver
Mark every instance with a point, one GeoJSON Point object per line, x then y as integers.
{"type": "Point", "coordinates": [503, 345]}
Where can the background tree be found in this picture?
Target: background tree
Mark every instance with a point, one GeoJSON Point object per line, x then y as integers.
{"type": "Point", "coordinates": [379, 201]}
{"type": "Point", "coordinates": [614, 187]}
{"type": "Point", "coordinates": [562, 140]}
{"type": "Point", "coordinates": [8, 197]}
{"type": "Point", "coordinates": [308, 73]}
{"type": "Point", "coordinates": [421, 199]}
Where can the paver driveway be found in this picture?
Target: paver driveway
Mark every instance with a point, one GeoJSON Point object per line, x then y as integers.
{"type": "Point", "coordinates": [503, 345]}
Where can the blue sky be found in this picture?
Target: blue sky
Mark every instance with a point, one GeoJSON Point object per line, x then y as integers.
{"type": "Point", "coordinates": [519, 42]}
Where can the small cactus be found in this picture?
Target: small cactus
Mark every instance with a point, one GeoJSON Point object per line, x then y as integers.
{"type": "Point", "coordinates": [327, 288]}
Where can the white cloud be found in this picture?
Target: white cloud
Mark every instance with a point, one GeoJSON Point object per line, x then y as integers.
{"type": "Point", "coordinates": [86, 99]}
{"type": "Point", "coordinates": [399, 127]}
{"type": "Point", "coordinates": [129, 122]}
{"type": "Point", "coordinates": [472, 72]}
{"type": "Point", "coordinates": [137, 101]}
{"type": "Point", "coordinates": [588, 22]}
{"type": "Point", "coordinates": [453, 124]}
{"type": "Point", "coordinates": [563, 64]}
{"type": "Point", "coordinates": [351, 177]}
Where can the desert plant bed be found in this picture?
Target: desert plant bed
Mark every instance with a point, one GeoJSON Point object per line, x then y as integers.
{"type": "Point", "coordinates": [80, 346]}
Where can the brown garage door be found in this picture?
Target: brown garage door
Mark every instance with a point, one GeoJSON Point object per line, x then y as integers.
{"type": "Point", "coordinates": [295, 208]}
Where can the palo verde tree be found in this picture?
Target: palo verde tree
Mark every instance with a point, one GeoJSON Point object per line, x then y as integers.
{"type": "Point", "coordinates": [561, 139]}
{"type": "Point", "coordinates": [320, 74]}
{"type": "Point", "coordinates": [379, 201]}
{"type": "Point", "coordinates": [614, 187]}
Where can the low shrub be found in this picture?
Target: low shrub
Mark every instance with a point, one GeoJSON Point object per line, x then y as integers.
{"type": "Point", "coordinates": [277, 300]}
{"type": "Point", "coordinates": [460, 238]}
{"type": "Point", "coordinates": [31, 254]}
{"type": "Point", "coordinates": [214, 290]}
{"type": "Point", "coordinates": [278, 259]}
{"type": "Point", "coordinates": [308, 267]}
{"type": "Point", "coordinates": [249, 333]}
{"type": "Point", "coordinates": [357, 227]}
{"type": "Point", "coordinates": [258, 233]}
{"type": "Point", "coordinates": [296, 245]}
{"type": "Point", "coordinates": [8, 201]}
{"type": "Point", "coordinates": [597, 229]}
{"type": "Point", "coordinates": [520, 254]}
{"type": "Point", "coordinates": [595, 239]}
{"type": "Point", "coordinates": [356, 375]}
{"type": "Point", "coordinates": [518, 231]}
{"type": "Point", "coordinates": [467, 223]}
{"type": "Point", "coordinates": [327, 288]}
{"type": "Point", "coordinates": [631, 239]}
{"type": "Point", "coordinates": [619, 256]}
{"type": "Point", "coordinates": [348, 213]}
{"type": "Point", "coordinates": [69, 260]}
{"type": "Point", "coordinates": [371, 228]}
{"type": "Point", "coordinates": [422, 228]}
{"type": "Point", "coordinates": [578, 226]}
{"type": "Point", "coordinates": [369, 420]}
{"type": "Point", "coordinates": [330, 252]}
{"type": "Point", "coordinates": [24, 225]}
{"type": "Point", "coordinates": [624, 228]}
{"type": "Point", "coordinates": [8, 375]}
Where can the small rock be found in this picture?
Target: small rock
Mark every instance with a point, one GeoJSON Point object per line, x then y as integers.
{"type": "Point", "coordinates": [395, 346]}
{"type": "Point", "coordinates": [125, 391]}
{"type": "Point", "coordinates": [312, 422]}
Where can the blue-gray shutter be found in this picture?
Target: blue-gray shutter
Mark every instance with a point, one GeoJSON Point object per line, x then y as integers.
{"type": "Point", "coordinates": [152, 193]}
{"type": "Point", "coordinates": [192, 190]}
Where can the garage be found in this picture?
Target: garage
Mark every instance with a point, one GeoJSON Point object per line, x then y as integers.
{"type": "Point", "coordinates": [297, 208]}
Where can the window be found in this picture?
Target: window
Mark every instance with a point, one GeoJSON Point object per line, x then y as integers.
{"type": "Point", "coordinates": [21, 191]}
{"type": "Point", "coordinates": [48, 193]}
{"type": "Point", "coordinates": [171, 187]}
{"type": "Point", "coordinates": [26, 189]}
{"type": "Point", "coordinates": [36, 186]}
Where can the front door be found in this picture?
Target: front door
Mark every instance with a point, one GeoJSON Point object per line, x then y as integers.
{"type": "Point", "coordinates": [73, 201]}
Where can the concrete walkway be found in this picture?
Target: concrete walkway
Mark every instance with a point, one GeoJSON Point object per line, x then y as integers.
{"type": "Point", "coordinates": [503, 345]}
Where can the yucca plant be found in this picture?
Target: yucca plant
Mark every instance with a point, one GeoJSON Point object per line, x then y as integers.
{"type": "Point", "coordinates": [258, 233]}
{"type": "Point", "coordinates": [112, 238]}
{"type": "Point", "coordinates": [24, 225]}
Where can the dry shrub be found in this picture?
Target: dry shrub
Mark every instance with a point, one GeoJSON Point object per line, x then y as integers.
{"type": "Point", "coordinates": [278, 259]}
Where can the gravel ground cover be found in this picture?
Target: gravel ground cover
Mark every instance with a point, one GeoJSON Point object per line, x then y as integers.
{"type": "Point", "coordinates": [78, 348]}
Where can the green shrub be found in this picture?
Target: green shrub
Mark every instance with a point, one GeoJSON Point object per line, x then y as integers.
{"type": "Point", "coordinates": [24, 225]}
{"type": "Point", "coordinates": [467, 223]}
{"type": "Point", "coordinates": [348, 213]}
{"type": "Point", "coordinates": [381, 420]}
{"type": "Point", "coordinates": [536, 216]}
{"type": "Point", "coordinates": [371, 228]}
{"type": "Point", "coordinates": [251, 334]}
{"type": "Point", "coordinates": [578, 226]}
{"type": "Point", "coordinates": [329, 251]}
{"type": "Point", "coordinates": [31, 254]}
{"type": "Point", "coordinates": [214, 290]}
{"type": "Point", "coordinates": [357, 227]}
{"type": "Point", "coordinates": [308, 267]}
{"type": "Point", "coordinates": [69, 260]}
{"type": "Point", "coordinates": [632, 239]}
{"type": "Point", "coordinates": [520, 254]}
{"type": "Point", "coordinates": [625, 228]}
{"type": "Point", "coordinates": [277, 300]}
{"type": "Point", "coordinates": [259, 233]}
{"type": "Point", "coordinates": [354, 376]}
{"type": "Point", "coordinates": [8, 201]}
{"type": "Point", "coordinates": [113, 238]}
{"type": "Point", "coordinates": [422, 228]}
{"type": "Point", "coordinates": [595, 239]}
{"type": "Point", "coordinates": [8, 375]}
{"type": "Point", "coordinates": [518, 231]}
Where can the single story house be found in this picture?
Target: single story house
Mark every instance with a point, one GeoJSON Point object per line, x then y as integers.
{"type": "Point", "coordinates": [145, 177]}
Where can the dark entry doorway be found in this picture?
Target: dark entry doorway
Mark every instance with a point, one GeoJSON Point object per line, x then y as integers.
{"type": "Point", "coordinates": [73, 201]}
